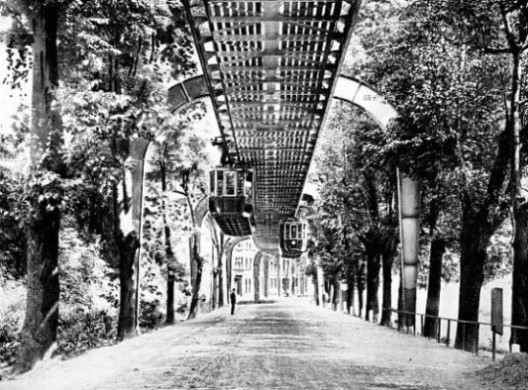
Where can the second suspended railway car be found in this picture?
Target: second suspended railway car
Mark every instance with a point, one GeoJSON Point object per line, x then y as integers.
{"type": "Point", "coordinates": [292, 238]}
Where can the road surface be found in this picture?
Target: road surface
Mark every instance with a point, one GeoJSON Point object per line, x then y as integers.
{"type": "Point", "coordinates": [286, 345]}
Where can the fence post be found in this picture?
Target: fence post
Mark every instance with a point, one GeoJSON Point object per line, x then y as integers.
{"type": "Point", "coordinates": [493, 347]}
{"type": "Point", "coordinates": [421, 323]}
{"type": "Point", "coordinates": [512, 336]}
{"type": "Point", "coordinates": [448, 332]}
{"type": "Point", "coordinates": [477, 329]}
{"type": "Point", "coordinates": [439, 329]}
{"type": "Point", "coordinates": [464, 335]}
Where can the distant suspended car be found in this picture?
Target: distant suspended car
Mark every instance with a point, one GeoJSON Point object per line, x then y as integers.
{"type": "Point", "coordinates": [231, 200]}
{"type": "Point", "coordinates": [292, 238]}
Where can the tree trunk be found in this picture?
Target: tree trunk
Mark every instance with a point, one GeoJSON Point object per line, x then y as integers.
{"type": "Point", "coordinates": [373, 271]}
{"type": "Point", "coordinates": [39, 331]}
{"type": "Point", "coordinates": [520, 278]}
{"type": "Point", "coordinates": [320, 284]}
{"type": "Point", "coordinates": [266, 276]}
{"type": "Point", "coordinates": [42, 307]}
{"type": "Point", "coordinates": [170, 259]}
{"type": "Point", "coordinates": [221, 271]}
{"type": "Point", "coordinates": [198, 260]}
{"type": "Point", "coordinates": [130, 245]}
{"type": "Point", "coordinates": [229, 274]}
{"type": "Point", "coordinates": [196, 289]}
{"type": "Point", "coordinates": [192, 262]}
{"type": "Point", "coordinates": [401, 317]}
{"type": "Point", "coordinates": [279, 281]}
{"type": "Point", "coordinates": [127, 327]}
{"type": "Point", "coordinates": [293, 275]}
{"type": "Point", "coordinates": [214, 272]}
{"type": "Point", "coordinates": [517, 120]}
{"type": "Point", "coordinates": [477, 228]}
{"type": "Point", "coordinates": [360, 281]}
{"type": "Point", "coordinates": [256, 276]}
{"type": "Point", "coordinates": [316, 289]}
{"type": "Point", "coordinates": [472, 260]}
{"type": "Point", "coordinates": [438, 248]}
{"type": "Point", "coordinates": [336, 293]}
{"type": "Point", "coordinates": [214, 296]}
{"type": "Point", "coordinates": [170, 298]}
{"type": "Point", "coordinates": [351, 274]}
{"type": "Point", "coordinates": [387, 290]}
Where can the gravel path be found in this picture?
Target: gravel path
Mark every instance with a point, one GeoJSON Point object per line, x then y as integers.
{"type": "Point", "coordinates": [287, 345]}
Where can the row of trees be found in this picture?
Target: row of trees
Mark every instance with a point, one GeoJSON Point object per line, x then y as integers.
{"type": "Point", "coordinates": [100, 72]}
{"type": "Point", "coordinates": [456, 73]}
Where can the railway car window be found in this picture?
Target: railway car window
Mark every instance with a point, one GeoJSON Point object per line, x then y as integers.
{"type": "Point", "coordinates": [219, 182]}
{"type": "Point", "coordinates": [230, 183]}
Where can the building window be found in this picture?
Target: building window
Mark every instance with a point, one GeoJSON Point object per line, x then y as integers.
{"type": "Point", "coordinates": [248, 286]}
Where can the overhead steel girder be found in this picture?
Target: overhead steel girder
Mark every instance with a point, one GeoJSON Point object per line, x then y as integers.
{"type": "Point", "coordinates": [247, 20]}
{"type": "Point", "coordinates": [223, 37]}
{"type": "Point", "coordinates": [271, 46]}
{"type": "Point", "coordinates": [238, 71]}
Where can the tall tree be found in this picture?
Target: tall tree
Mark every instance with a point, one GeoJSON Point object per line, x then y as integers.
{"type": "Point", "coordinates": [126, 55]}
{"type": "Point", "coordinates": [357, 215]}
{"type": "Point", "coordinates": [513, 21]}
{"type": "Point", "coordinates": [449, 96]}
{"type": "Point", "coordinates": [44, 190]}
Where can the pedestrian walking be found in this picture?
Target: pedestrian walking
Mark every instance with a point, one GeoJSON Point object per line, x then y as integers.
{"type": "Point", "coordinates": [233, 301]}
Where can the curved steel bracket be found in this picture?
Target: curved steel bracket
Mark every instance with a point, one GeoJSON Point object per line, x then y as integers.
{"type": "Point", "coordinates": [372, 102]}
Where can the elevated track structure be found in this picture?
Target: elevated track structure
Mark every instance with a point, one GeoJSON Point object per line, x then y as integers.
{"type": "Point", "coordinates": [271, 68]}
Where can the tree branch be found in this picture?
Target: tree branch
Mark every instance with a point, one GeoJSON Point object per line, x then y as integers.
{"type": "Point", "coordinates": [510, 36]}
{"type": "Point", "coordinates": [498, 50]}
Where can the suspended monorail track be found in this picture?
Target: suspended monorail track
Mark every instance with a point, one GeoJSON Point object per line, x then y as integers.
{"type": "Point", "coordinates": [271, 69]}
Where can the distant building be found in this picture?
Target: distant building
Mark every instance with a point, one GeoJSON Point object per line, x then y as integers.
{"type": "Point", "coordinates": [290, 273]}
{"type": "Point", "coordinates": [242, 275]}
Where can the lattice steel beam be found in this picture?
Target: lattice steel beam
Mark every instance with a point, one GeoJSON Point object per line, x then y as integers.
{"type": "Point", "coordinates": [271, 68]}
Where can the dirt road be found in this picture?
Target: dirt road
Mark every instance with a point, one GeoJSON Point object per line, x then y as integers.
{"type": "Point", "coordinates": [287, 345]}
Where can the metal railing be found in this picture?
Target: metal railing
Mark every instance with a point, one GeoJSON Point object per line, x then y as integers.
{"type": "Point", "coordinates": [464, 323]}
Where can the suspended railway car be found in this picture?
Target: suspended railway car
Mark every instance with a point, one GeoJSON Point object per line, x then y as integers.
{"type": "Point", "coordinates": [292, 238]}
{"type": "Point", "coordinates": [231, 200]}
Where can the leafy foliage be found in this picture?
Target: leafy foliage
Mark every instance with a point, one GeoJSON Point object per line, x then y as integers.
{"type": "Point", "coordinates": [354, 210]}
{"type": "Point", "coordinates": [11, 312]}
{"type": "Point", "coordinates": [430, 59]}
{"type": "Point", "coordinates": [116, 62]}
{"type": "Point", "coordinates": [13, 238]}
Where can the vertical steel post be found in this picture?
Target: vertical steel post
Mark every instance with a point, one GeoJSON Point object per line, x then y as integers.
{"type": "Point", "coordinates": [138, 151]}
{"type": "Point", "coordinates": [409, 206]}
{"type": "Point", "coordinates": [493, 347]}
{"type": "Point", "coordinates": [448, 332]}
